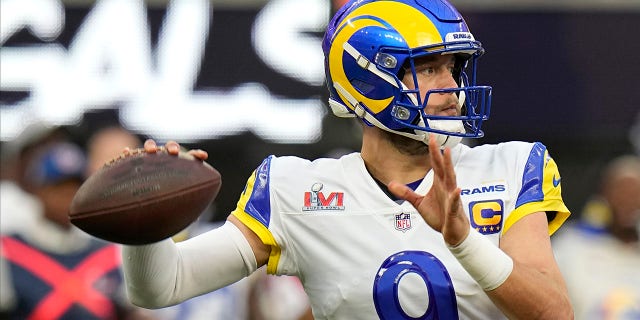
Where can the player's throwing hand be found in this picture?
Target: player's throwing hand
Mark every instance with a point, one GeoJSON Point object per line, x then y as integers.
{"type": "Point", "coordinates": [441, 207]}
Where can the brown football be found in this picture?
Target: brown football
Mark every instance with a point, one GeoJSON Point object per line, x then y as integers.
{"type": "Point", "coordinates": [144, 197]}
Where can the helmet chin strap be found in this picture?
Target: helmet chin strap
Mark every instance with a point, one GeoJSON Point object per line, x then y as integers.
{"type": "Point", "coordinates": [444, 140]}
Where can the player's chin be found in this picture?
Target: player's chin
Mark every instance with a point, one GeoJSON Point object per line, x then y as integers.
{"type": "Point", "coordinates": [407, 146]}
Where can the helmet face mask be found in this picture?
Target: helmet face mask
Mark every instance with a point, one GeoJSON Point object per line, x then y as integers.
{"type": "Point", "coordinates": [371, 45]}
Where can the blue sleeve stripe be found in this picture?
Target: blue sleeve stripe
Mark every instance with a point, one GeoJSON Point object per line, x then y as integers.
{"type": "Point", "coordinates": [531, 190]}
{"type": "Point", "coordinates": [259, 204]}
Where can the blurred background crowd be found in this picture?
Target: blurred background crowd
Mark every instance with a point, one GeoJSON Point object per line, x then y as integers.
{"type": "Point", "coordinates": [82, 79]}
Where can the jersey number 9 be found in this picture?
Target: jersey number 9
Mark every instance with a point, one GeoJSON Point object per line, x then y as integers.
{"type": "Point", "coordinates": [442, 298]}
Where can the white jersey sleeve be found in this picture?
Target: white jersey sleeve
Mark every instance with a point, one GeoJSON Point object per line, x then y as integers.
{"type": "Point", "coordinates": [362, 255]}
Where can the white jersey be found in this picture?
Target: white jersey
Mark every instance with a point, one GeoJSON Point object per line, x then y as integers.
{"type": "Point", "coordinates": [361, 255]}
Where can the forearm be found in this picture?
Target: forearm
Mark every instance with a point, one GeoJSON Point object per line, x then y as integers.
{"type": "Point", "coordinates": [530, 294]}
{"type": "Point", "coordinates": [165, 273]}
{"type": "Point", "coordinates": [150, 273]}
{"type": "Point", "coordinates": [535, 289]}
{"type": "Point", "coordinates": [519, 290]}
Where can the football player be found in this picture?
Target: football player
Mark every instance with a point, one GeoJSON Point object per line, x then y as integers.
{"type": "Point", "coordinates": [415, 225]}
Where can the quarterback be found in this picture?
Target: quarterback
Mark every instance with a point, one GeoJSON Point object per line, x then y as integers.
{"type": "Point", "coordinates": [414, 226]}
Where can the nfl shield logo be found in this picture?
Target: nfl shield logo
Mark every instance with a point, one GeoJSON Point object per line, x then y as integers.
{"type": "Point", "coordinates": [403, 222]}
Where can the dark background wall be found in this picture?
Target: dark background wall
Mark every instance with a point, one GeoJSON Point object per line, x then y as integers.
{"type": "Point", "coordinates": [568, 79]}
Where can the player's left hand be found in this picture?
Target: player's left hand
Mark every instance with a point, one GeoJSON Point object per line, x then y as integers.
{"type": "Point", "coordinates": [441, 207]}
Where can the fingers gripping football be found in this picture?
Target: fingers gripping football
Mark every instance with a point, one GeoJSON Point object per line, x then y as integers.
{"type": "Point", "coordinates": [145, 195]}
{"type": "Point", "coordinates": [173, 148]}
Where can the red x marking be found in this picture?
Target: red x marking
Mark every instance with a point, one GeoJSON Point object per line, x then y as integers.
{"type": "Point", "coordinates": [68, 286]}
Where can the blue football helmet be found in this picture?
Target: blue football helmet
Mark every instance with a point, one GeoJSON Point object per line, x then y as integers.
{"type": "Point", "coordinates": [370, 45]}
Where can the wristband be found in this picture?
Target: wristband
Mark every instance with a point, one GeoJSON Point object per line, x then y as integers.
{"type": "Point", "coordinates": [486, 263]}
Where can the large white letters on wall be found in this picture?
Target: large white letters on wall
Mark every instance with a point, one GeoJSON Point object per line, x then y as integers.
{"type": "Point", "coordinates": [111, 61]}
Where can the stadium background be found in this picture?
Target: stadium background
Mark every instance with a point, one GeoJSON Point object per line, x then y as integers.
{"type": "Point", "coordinates": [564, 73]}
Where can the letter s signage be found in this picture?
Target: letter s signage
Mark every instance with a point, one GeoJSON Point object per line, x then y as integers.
{"type": "Point", "coordinates": [108, 64]}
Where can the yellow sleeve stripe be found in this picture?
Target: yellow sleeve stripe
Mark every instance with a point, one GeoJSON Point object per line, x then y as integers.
{"type": "Point", "coordinates": [533, 207]}
{"type": "Point", "coordinates": [265, 236]}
